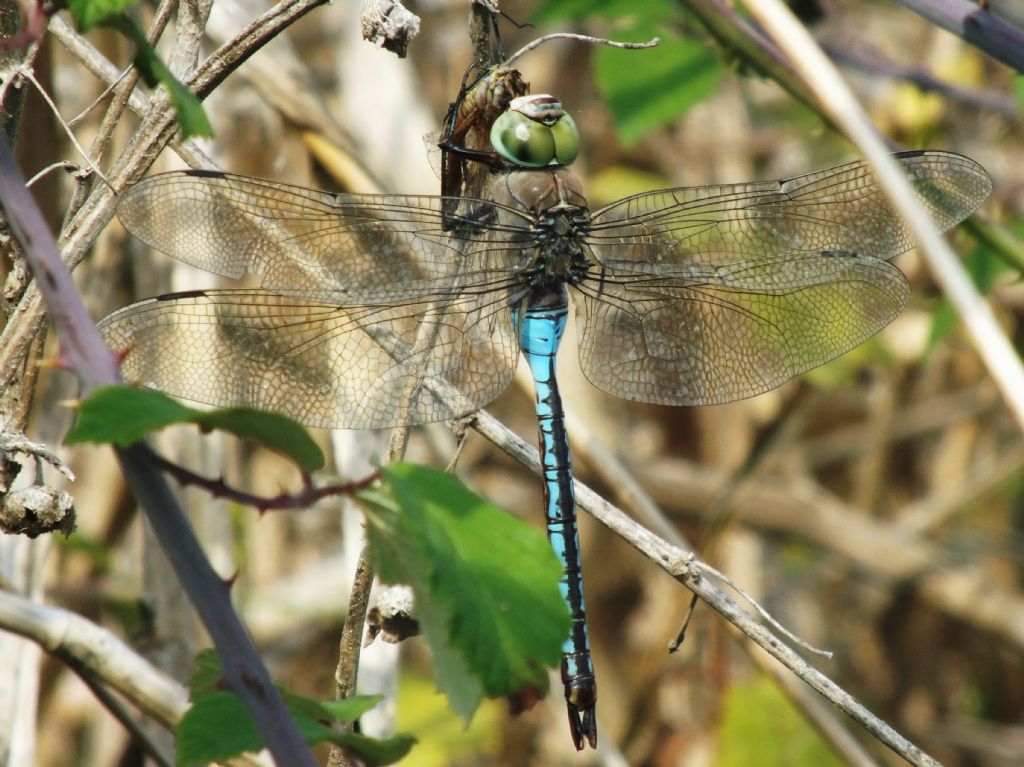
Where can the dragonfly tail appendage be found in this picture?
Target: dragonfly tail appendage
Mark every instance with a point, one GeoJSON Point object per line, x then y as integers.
{"type": "Point", "coordinates": [580, 701]}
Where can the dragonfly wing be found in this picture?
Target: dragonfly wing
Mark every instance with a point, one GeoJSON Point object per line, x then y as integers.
{"type": "Point", "coordinates": [711, 294]}
{"type": "Point", "coordinates": [362, 248]}
{"type": "Point", "coordinates": [840, 209]}
{"type": "Point", "coordinates": [322, 365]}
{"type": "Point", "coordinates": [707, 341]}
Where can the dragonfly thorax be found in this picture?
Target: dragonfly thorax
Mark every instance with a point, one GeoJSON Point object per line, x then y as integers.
{"type": "Point", "coordinates": [541, 191]}
{"type": "Point", "coordinates": [553, 199]}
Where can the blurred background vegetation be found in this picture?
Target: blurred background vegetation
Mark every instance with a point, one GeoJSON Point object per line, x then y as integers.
{"type": "Point", "coordinates": [875, 506]}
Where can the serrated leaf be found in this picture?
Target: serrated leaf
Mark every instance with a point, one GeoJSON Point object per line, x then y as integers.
{"type": "Point", "coordinates": [207, 673]}
{"type": "Point", "coordinates": [215, 728]}
{"type": "Point", "coordinates": [122, 415]}
{"type": "Point", "coordinates": [88, 13]}
{"type": "Point", "coordinates": [461, 684]}
{"type": "Point", "coordinates": [649, 88]}
{"type": "Point", "coordinates": [486, 584]}
{"type": "Point", "coordinates": [397, 558]}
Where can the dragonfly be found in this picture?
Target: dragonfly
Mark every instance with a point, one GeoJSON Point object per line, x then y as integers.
{"type": "Point", "coordinates": [392, 310]}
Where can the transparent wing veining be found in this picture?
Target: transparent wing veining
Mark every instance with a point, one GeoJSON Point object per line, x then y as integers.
{"type": "Point", "coordinates": [705, 343]}
{"type": "Point", "coordinates": [367, 302]}
{"type": "Point", "coordinates": [712, 294]}
{"type": "Point", "coordinates": [840, 209]}
{"type": "Point", "coordinates": [320, 364]}
{"type": "Point", "coordinates": [363, 249]}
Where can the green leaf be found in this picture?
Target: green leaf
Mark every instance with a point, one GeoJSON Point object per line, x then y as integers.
{"type": "Point", "coordinates": [191, 117]}
{"type": "Point", "coordinates": [348, 710]}
{"type": "Point", "coordinates": [486, 584]}
{"type": "Point", "coordinates": [217, 727]}
{"type": "Point", "coordinates": [760, 726]}
{"type": "Point", "coordinates": [373, 751]}
{"type": "Point", "coordinates": [1018, 89]}
{"type": "Point", "coordinates": [397, 558]}
{"type": "Point", "coordinates": [88, 13]}
{"type": "Point", "coordinates": [648, 88]}
{"type": "Point", "coordinates": [272, 430]}
{"type": "Point", "coordinates": [122, 415]}
{"type": "Point", "coordinates": [207, 674]}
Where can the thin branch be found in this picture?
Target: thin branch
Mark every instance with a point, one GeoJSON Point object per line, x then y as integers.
{"type": "Point", "coordinates": [100, 656]}
{"type": "Point", "coordinates": [682, 566]}
{"type": "Point", "coordinates": [891, 553]}
{"type": "Point", "coordinates": [94, 61]}
{"type": "Point", "coordinates": [815, 710]}
{"type": "Point", "coordinates": [654, 41]}
{"type": "Point", "coordinates": [738, 37]}
{"type": "Point", "coordinates": [155, 132]}
{"type": "Point", "coordinates": [27, 74]}
{"type": "Point", "coordinates": [351, 642]}
{"type": "Point", "coordinates": [19, 443]}
{"type": "Point", "coordinates": [72, 637]}
{"type": "Point", "coordinates": [302, 499]}
{"type": "Point", "coordinates": [998, 38]}
{"type": "Point", "coordinates": [123, 88]}
{"type": "Point", "coordinates": [120, 713]}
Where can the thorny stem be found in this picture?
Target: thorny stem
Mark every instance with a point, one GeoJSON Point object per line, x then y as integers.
{"type": "Point", "coordinates": [302, 499]}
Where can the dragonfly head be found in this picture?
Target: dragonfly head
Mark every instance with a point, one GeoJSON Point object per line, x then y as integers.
{"type": "Point", "coordinates": [535, 132]}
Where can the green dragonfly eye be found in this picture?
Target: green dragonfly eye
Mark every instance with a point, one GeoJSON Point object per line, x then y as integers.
{"type": "Point", "coordinates": [535, 131]}
{"type": "Point", "coordinates": [567, 139]}
{"type": "Point", "coordinates": [523, 140]}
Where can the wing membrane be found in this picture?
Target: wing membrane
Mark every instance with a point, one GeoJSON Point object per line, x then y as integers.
{"type": "Point", "coordinates": [322, 365]}
{"type": "Point", "coordinates": [710, 294]}
{"type": "Point", "coordinates": [704, 343]}
{"type": "Point", "coordinates": [364, 249]}
{"type": "Point", "coordinates": [840, 209]}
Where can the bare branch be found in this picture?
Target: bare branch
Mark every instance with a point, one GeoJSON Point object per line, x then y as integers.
{"type": "Point", "coordinates": [685, 568]}
{"type": "Point", "coordinates": [985, 30]}
{"type": "Point", "coordinates": [70, 636]}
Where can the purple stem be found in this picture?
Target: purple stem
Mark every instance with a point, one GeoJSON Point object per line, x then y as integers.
{"type": "Point", "coordinates": [84, 354]}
